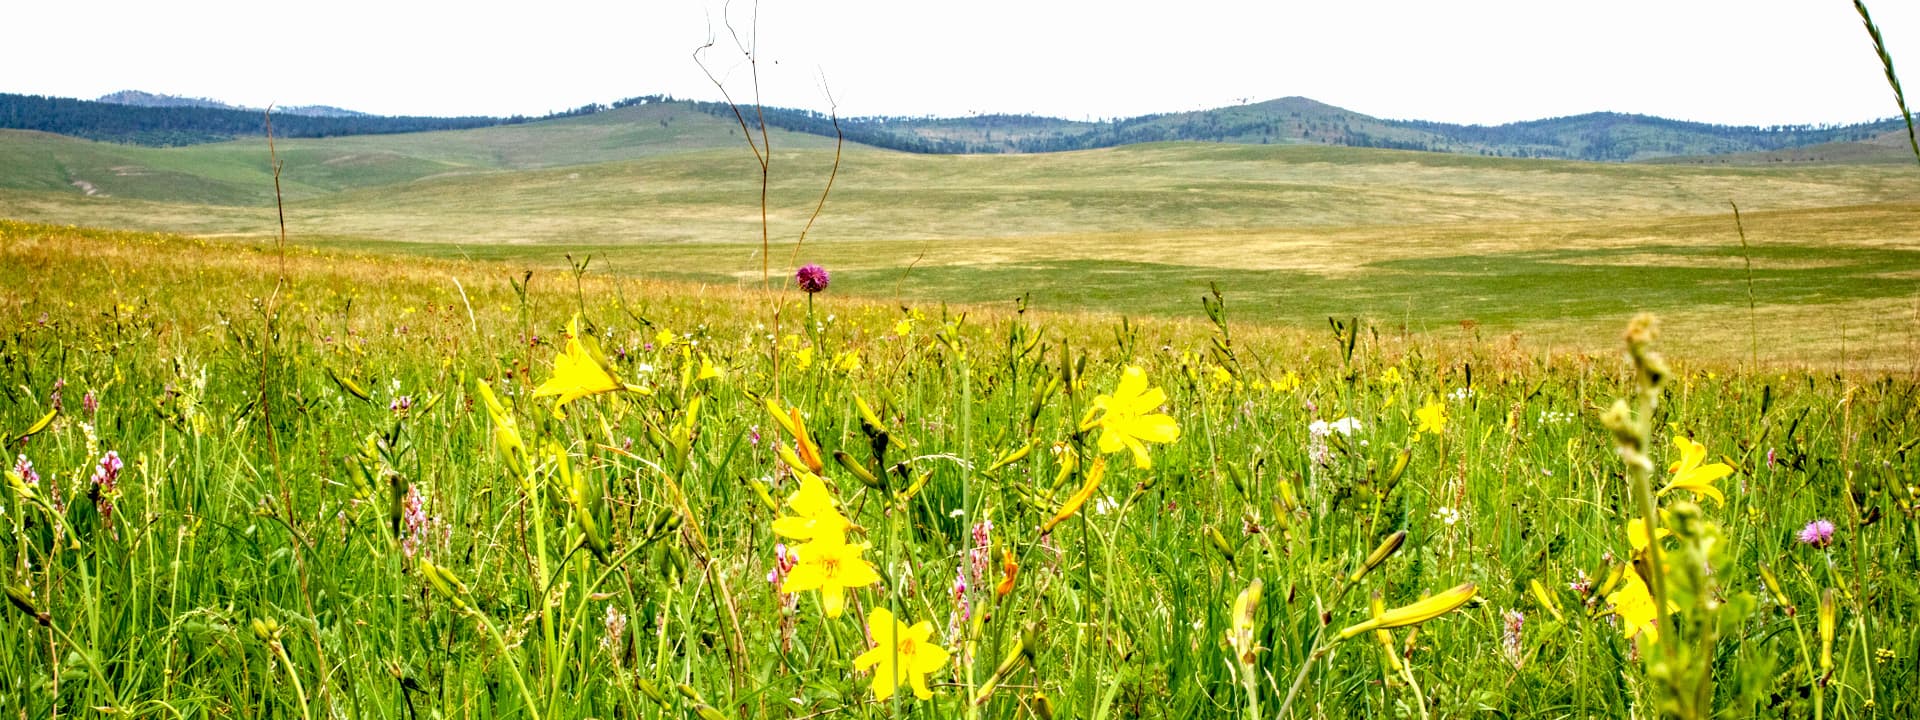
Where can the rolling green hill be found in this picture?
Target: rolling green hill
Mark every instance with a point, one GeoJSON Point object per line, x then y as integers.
{"type": "Point", "coordinates": [238, 172]}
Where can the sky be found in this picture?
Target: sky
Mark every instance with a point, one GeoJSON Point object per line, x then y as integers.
{"type": "Point", "coordinates": [1741, 62]}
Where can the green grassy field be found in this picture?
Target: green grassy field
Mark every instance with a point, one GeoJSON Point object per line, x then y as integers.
{"type": "Point", "coordinates": [247, 483]}
{"type": "Point", "coordinates": [1415, 241]}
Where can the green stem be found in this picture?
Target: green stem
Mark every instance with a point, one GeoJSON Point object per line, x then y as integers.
{"type": "Point", "coordinates": [1300, 678]}
{"type": "Point", "coordinates": [299, 691]}
{"type": "Point", "coordinates": [519, 678]}
{"type": "Point", "coordinates": [1406, 673]}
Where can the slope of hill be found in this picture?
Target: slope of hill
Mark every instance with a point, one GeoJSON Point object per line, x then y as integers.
{"type": "Point", "coordinates": [237, 172]}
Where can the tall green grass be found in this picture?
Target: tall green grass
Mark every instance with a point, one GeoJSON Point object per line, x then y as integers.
{"type": "Point", "coordinates": [259, 485]}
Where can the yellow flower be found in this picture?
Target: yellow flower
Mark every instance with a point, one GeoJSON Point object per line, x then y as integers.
{"type": "Point", "coordinates": [1288, 382]}
{"type": "Point", "coordinates": [803, 359]}
{"type": "Point", "coordinates": [1127, 419]}
{"type": "Point", "coordinates": [1637, 534]}
{"type": "Point", "coordinates": [1634, 604]}
{"type": "Point", "coordinates": [1433, 418]}
{"type": "Point", "coordinates": [1689, 474]}
{"type": "Point", "coordinates": [1220, 378]}
{"type": "Point", "coordinates": [707, 369]}
{"type": "Point", "coordinates": [904, 327]}
{"type": "Point", "coordinates": [831, 565]}
{"type": "Point", "coordinates": [816, 513]}
{"type": "Point", "coordinates": [578, 372]}
{"type": "Point", "coordinates": [847, 362]}
{"type": "Point", "coordinates": [1390, 377]}
{"type": "Point", "coordinates": [663, 339]}
{"type": "Point", "coordinates": [900, 653]}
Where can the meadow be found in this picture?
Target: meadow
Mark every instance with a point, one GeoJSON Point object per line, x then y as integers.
{"type": "Point", "coordinates": [534, 422]}
{"type": "Point", "coordinates": [265, 482]}
{"type": "Point", "coordinates": [1553, 251]}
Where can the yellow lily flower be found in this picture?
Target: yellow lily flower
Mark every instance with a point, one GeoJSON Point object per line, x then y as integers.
{"type": "Point", "coordinates": [816, 513]}
{"type": "Point", "coordinates": [1127, 419]}
{"type": "Point", "coordinates": [900, 653]}
{"type": "Point", "coordinates": [1689, 474]}
{"type": "Point", "coordinates": [1433, 418]}
{"type": "Point", "coordinates": [1634, 604]}
{"type": "Point", "coordinates": [831, 565]}
{"type": "Point", "coordinates": [1288, 382]}
{"type": "Point", "coordinates": [1637, 534]}
{"type": "Point", "coordinates": [578, 372]}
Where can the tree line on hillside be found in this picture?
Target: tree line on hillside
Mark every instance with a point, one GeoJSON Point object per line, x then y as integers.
{"type": "Point", "coordinates": [172, 126]}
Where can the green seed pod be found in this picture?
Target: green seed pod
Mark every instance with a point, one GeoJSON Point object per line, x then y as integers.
{"type": "Point", "coordinates": [1220, 543]}
{"type": "Point", "coordinates": [20, 599]}
{"type": "Point", "coordinates": [1042, 707]}
{"type": "Point", "coordinates": [1385, 550]}
{"type": "Point", "coordinates": [860, 472]}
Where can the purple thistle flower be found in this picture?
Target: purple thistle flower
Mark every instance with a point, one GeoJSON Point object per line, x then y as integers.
{"type": "Point", "coordinates": [1818, 533]}
{"type": "Point", "coordinates": [812, 278]}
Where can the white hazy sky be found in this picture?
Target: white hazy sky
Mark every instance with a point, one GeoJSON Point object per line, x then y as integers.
{"type": "Point", "coordinates": [1750, 62]}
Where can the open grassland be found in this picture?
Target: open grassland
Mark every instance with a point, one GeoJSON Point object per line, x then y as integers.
{"type": "Point", "coordinates": [253, 484]}
{"type": "Point", "coordinates": [1554, 250]}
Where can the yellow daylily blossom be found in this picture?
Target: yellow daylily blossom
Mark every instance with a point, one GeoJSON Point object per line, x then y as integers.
{"type": "Point", "coordinates": [816, 513]}
{"type": "Point", "coordinates": [578, 372]}
{"type": "Point", "coordinates": [1219, 378]}
{"type": "Point", "coordinates": [803, 359]}
{"type": "Point", "coordinates": [1634, 604]}
{"type": "Point", "coordinates": [831, 565]}
{"type": "Point", "coordinates": [1432, 417]}
{"type": "Point", "coordinates": [1637, 534]}
{"type": "Point", "coordinates": [1415, 613]}
{"type": "Point", "coordinates": [1689, 474]}
{"type": "Point", "coordinates": [708, 370]}
{"type": "Point", "coordinates": [1127, 419]}
{"type": "Point", "coordinates": [1288, 382]}
{"type": "Point", "coordinates": [900, 653]}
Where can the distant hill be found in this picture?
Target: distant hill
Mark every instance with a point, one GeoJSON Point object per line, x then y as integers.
{"type": "Point", "coordinates": [162, 120]}
{"type": "Point", "coordinates": [1888, 147]}
{"type": "Point", "coordinates": [1294, 120]}
{"type": "Point", "coordinates": [192, 122]}
{"type": "Point", "coordinates": [146, 99]}
{"type": "Point", "coordinates": [237, 172]}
